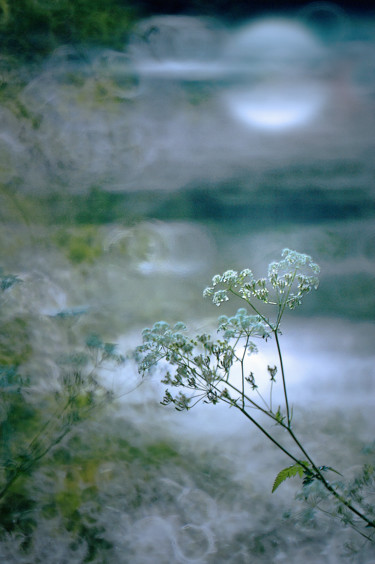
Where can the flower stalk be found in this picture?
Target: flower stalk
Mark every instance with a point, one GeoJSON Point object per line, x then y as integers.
{"type": "Point", "coordinates": [204, 369]}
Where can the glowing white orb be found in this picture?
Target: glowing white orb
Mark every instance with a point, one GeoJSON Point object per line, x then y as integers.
{"type": "Point", "coordinates": [277, 105]}
{"type": "Point", "coordinates": [274, 41]}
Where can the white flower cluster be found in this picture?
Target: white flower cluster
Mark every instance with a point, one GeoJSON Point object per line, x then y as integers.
{"type": "Point", "coordinates": [294, 269]}
{"type": "Point", "coordinates": [243, 324]}
{"type": "Point", "coordinates": [232, 279]}
{"type": "Point", "coordinates": [287, 282]}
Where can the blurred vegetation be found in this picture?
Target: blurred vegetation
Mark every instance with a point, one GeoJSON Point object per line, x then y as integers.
{"type": "Point", "coordinates": [36, 415]}
{"type": "Point", "coordinates": [31, 29]}
{"type": "Point", "coordinates": [102, 228]}
{"type": "Point", "coordinates": [64, 473]}
{"type": "Point", "coordinates": [80, 245]}
{"type": "Point", "coordinates": [204, 203]}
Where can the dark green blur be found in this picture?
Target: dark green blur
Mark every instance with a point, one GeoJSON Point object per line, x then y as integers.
{"type": "Point", "coordinates": [32, 29]}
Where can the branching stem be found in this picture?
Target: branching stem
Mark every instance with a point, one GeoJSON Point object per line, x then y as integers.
{"type": "Point", "coordinates": [208, 372]}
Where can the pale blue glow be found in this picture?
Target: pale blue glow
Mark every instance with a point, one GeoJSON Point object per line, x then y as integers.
{"type": "Point", "coordinates": [276, 105]}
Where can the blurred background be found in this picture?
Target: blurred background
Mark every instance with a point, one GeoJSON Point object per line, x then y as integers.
{"type": "Point", "coordinates": [144, 147]}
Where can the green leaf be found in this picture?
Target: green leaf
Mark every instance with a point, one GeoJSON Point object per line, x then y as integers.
{"type": "Point", "coordinates": [289, 472]}
{"type": "Point", "coordinates": [279, 418]}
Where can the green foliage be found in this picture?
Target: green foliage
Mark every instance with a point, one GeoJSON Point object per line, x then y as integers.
{"type": "Point", "coordinates": [37, 416]}
{"type": "Point", "coordinates": [14, 336]}
{"type": "Point", "coordinates": [81, 245]}
{"type": "Point", "coordinates": [32, 28]}
{"type": "Point", "coordinates": [204, 369]}
{"type": "Point", "coordinates": [96, 207]}
{"type": "Point", "coordinates": [303, 471]}
{"type": "Point", "coordinates": [14, 341]}
{"type": "Point", "coordinates": [289, 472]}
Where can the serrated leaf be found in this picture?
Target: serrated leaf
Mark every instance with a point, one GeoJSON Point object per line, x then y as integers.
{"type": "Point", "coordinates": [289, 472]}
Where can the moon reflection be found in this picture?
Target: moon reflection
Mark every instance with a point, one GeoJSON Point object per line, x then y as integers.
{"type": "Point", "coordinates": [277, 105]}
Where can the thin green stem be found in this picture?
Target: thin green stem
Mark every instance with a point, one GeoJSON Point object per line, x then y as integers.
{"type": "Point", "coordinates": [356, 529]}
{"type": "Point", "coordinates": [282, 305]}
{"type": "Point", "coordinates": [22, 468]}
{"type": "Point", "coordinates": [283, 377]}
{"type": "Point", "coordinates": [209, 379]}
{"type": "Point", "coordinates": [270, 437]}
{"type": "Point", "coordinates": [243, 372]}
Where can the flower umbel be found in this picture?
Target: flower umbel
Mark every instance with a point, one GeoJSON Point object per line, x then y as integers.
{"type": "Point", "coordinates": [287, 282]}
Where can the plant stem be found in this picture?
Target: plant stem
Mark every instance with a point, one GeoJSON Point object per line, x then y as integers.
{"type": "Point", "coordinates": [243, 372]}
{"type": "Point", "coordinates": [316, 470]}
{"type": "Point", "coordinates": [326, 484]}
{"type": "Point", "coordinates": [270, 437]}
{"type": "Point", "coordinates": [283, 378]}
